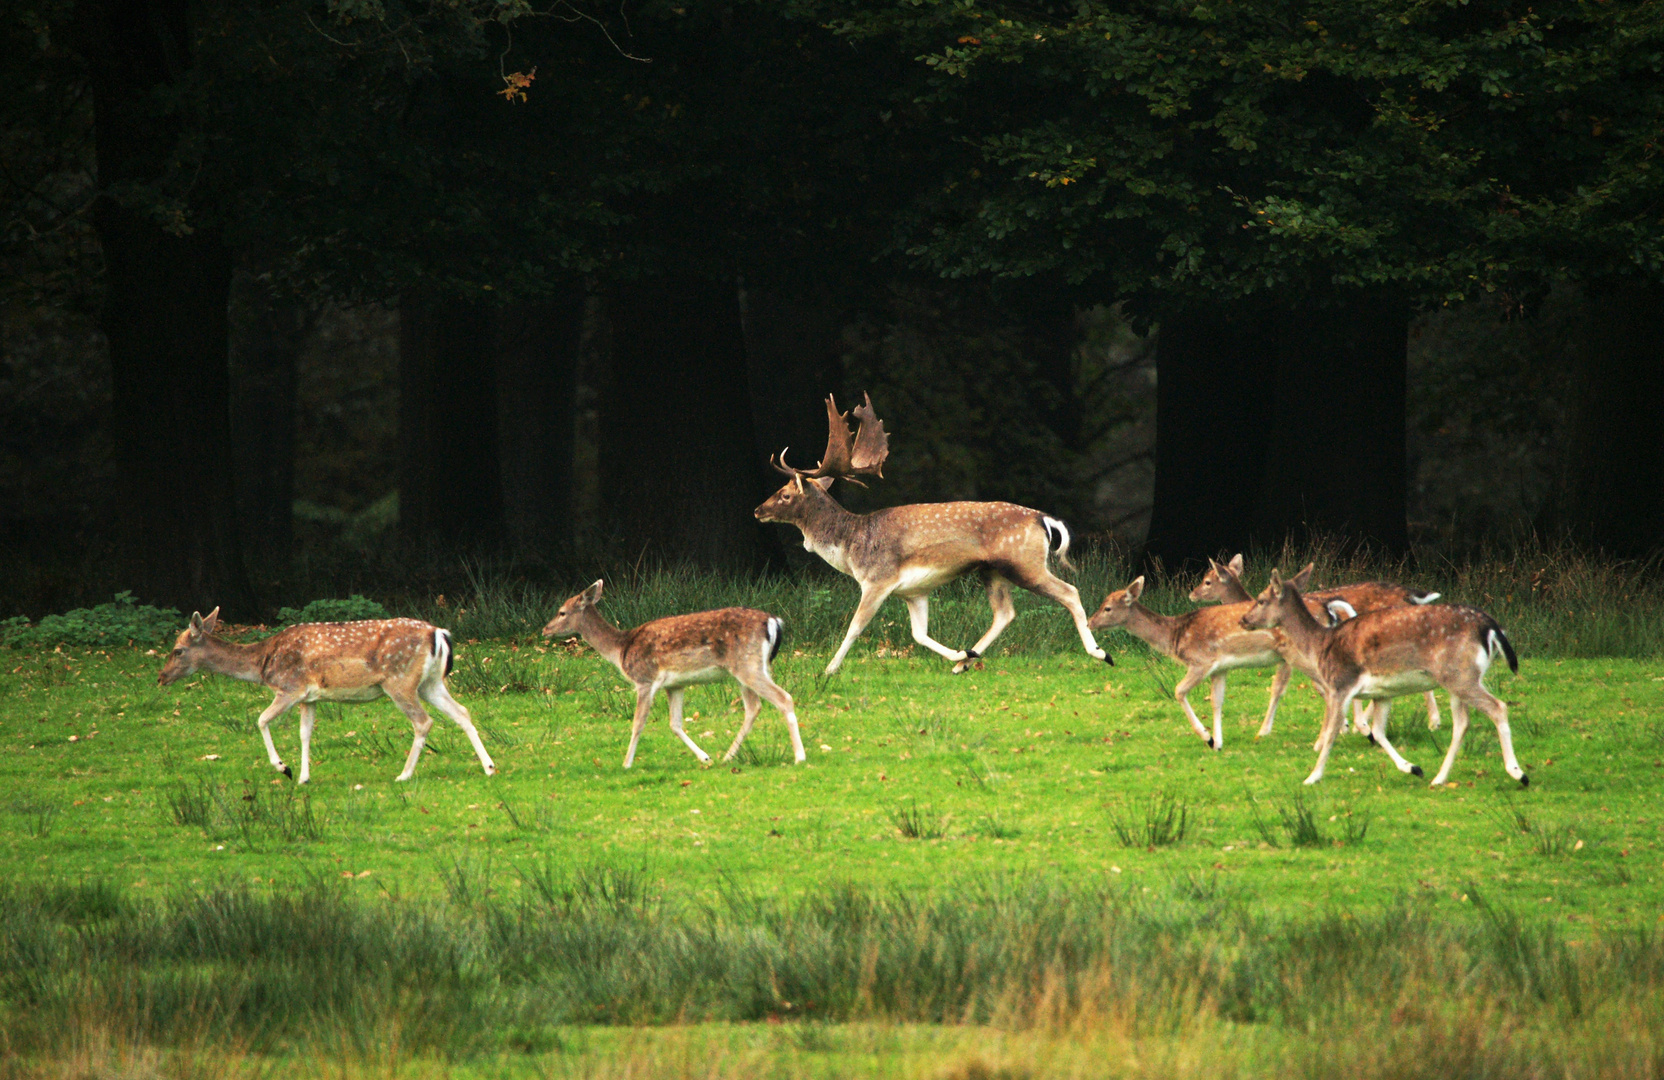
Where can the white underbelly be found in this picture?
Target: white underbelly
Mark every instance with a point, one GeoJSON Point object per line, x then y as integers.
{"type": "Point", "coordinates": [1397, 684]}
{"type": "Point", "coordinates": [1268, 658]}
{"type": "Point", "coordinates": [691, 678]}
{"type": "Point", "coordinates": [915, 580]}
{"type": "Point", "coordinates": [342, 693]}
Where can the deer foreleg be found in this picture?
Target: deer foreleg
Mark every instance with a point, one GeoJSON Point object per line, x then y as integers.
{"type": "Point", "coordinates": [644, 705]}
{"type": "Point", "coordinates": [675, 696]}
{"type": "Point", "coordinates": [1334, 718]}
{"type": "Point", "coordinates": [281, 704]}
{"type": "Point", "coordinates": [439, 696]}
{"type": "Point", "coordinates": [1378, 735]}
{"type": "Point", "coordinates": [1279, 686]}
{"type": "Point", "coordinates": [1360, 715]}
{"type": "Point", "coordinates": [1458, 728]}
{"type": "Point", "coordinates": [872, 598]}
{"type": "Point", "coordinates": [1218, 696]}
{"type": "Point", "coordinates": [1182, 693]}
{"type": "Point", "coordinates": [307, 716]}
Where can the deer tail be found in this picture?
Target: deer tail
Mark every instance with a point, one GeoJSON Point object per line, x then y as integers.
{"type": "Point", "coordinates": [1422, 597]}
{"type": "Point", "coordinates": [1057, 540]}
{"type": "Point", "coordinates": [1495, 638]}
{"type": "Point", "coordinates": [775, 633]}
{"type": "Point", "coordinates": [442, 647]}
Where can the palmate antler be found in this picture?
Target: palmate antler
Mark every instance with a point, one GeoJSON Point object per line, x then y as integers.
{"type": "Point", "coordinates": [846, 457]}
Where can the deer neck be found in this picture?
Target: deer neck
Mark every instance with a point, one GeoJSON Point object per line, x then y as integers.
{"type": "Point", "coordinates": [1233, 586]}
{"type": "Point", "coordinates": [603, 636]}
{"type": "Point", "coordinates": [828, 530]}
{"type": "Point", "coordinates": [1298, 625]}
{"type": "Point", "coordinates": [246, 663]}
{"type": "Point", "coordinates": [1159, 631]}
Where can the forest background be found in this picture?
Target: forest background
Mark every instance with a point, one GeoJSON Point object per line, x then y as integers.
{"type": "Point", "coordinates": [302, 296]}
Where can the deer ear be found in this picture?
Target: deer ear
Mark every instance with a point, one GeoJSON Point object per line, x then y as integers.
{"type": "Point", "coordinates": [1299, 580]}
{"type": "Point", "coordinates": [211, 621]}
{"type": "Point", "coordinates": [196, 624]}
{"type": "Point", "coordinates": [1235, 565]}
{"type": "Point", "coordinates": [824, 482]}
{"type": "Point", "coordinates": [1276, 585]}
{"type": "Point", "coordinates": [1136, 589]}
{"type": "Point", "coordinates": [593, 593]}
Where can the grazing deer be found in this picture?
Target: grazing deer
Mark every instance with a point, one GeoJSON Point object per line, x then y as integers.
{"type": "Point", "coordinates": [406, 659]}
{"type": "Point", "coordinates": [674, 653]}
{"type": "Point", "coordinates": [910, 551]}
{"type": "Point", "coordinates": [1389, 653]}
{"type": "Point", "coordinates": [1209, 642]}
{"type": "Point", "coordinates": [1329, 606]}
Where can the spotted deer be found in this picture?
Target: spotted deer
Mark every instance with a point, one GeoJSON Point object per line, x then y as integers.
{"type": "Point", "coordinates": [1388, 653]}
{"type": "Point", "coordinates": [405, 659]}
{"type": "Point", "coordinates": [1329, 606]}
{"type": "Point", "coordinates": [910, 551]}
{"type": "Point", "coordinates": [674, 653]}
{"type": "Point", "coordinates": [1209, 642]}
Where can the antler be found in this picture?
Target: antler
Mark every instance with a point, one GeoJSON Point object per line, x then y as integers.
{"type": "Point", "coordinates": [847, 457]}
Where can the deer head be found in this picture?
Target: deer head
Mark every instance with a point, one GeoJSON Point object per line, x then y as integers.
{"type": "Point", "coordinates": [847, 457]}
{"type": "Point", "coordinates": [1267, 611]}
{"type": "Point", "coordinates": [189, 648]}
{"type": "Point", "coordinates": [568, 620]}
{"type": "Point", "coordinates": [1117, 606]}
{"type": "Point", "coordinates": [1216, 583]}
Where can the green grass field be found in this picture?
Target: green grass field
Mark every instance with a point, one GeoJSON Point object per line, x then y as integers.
{"type": "Point", "coordinates": [1044, 798]}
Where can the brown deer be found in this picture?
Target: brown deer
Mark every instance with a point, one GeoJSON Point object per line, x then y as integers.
{"type": "Point", "coordinates": [1209, 642]}
{"type": "Point", "coordinates": [406, 659]}
{"type": "Point", "coordinates": [674, 653]}
{"type": "Point", "coordinates": [1388, 653]}
{"type": "Point", "coordinates": [910, 551]}
{"type": "Point", "coordinates": [1328, 606]}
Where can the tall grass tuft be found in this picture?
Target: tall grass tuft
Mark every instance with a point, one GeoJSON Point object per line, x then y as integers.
{"type": "Point", "coordinates": [253, 817]}
{"type": "Point", "coordinates": [1161, 822]}
{"type": "Point", "coordinates": [1300, 823]}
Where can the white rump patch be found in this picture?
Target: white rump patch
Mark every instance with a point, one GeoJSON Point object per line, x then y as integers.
{"type": "Point", "coordinates": [1425, 598]}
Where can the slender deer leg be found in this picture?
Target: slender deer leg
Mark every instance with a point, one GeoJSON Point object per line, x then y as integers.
{"type": "Point", "coordinates": [1334, 716]}
{"type": "Point", "coordinates": [1360, 715]}
{"type": "Point", "coordinates": [753, 705]}
{"type": "Point", "coordinates": [437, 694]}
{"type": "Point", "coordinates": [1219, 711]}
{"type": "Point", "coordinates": [1497, 710]}
{"type": "Point", "coordinates": [306, 717]}
{"type": "Point", "coordinates": [420, 722]}
{"type": "Point", "coordinates": [1432, 711]}
{"type": "Point", "coordinates": [777, 696]}
{"type": "Point", "coordinates": [1378, 734]}
{"type": "Point", "coordinates": [281, 704]}
{"type": "Point", "coordinates": [644, 705]}
{"type": "Point", "coordinates": [1279, 686]}
{"type": "Point", "coordinates": [1056, 588]}
{"type": "Point", "coordinates": [1182, 693]}
{"type": "Point", "coordinates": [1458, 728]}
{"type": "Point", "coordinates": [872, 598]}
{"type": "Point", "coordinates": [918, 615]}
{"type": "Point", "coordinates": [675, 696]}
{"type": "Point", "coordinates": [999, 599]}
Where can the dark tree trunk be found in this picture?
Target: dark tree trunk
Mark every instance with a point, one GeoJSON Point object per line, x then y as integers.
{"type": "Point", "coordinates": [1614, 489]}
{"type": "Point", "coordinates": [537, 383]}
{"type": "Point", "coordinates": [1214, 369]}
{"type": "Point", "coordinates": [1333, 426]}
{"type": "Point", "coordinates": [166, 321]}
{"type": "Point", "coordinates": [267, 337]}
{"type": "Point", "coordinates": [1275, 423]}
{"type": "Point", "coordinates": [680, 468]}
{"type": "Point", "coordinates": [450, 476]}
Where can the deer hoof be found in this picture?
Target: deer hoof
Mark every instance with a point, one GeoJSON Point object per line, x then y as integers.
{"type": "Point", "coordinates": [288, 771]}
{"type": "Point", "coordinates": [1525, 781]}
{"type": "Point", "coordinates": [1415, 770]}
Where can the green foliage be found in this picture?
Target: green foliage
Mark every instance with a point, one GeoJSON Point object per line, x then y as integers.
{"type": "Point", "coordinates": [1162, 821]}
{"type": "Point", "coordinates": [120, 622]}
{"type": "Point", "coordinates": [1300, 823]}
{"type": "Point", "coordinates": [253, 817]}
{"type": "Point", "coordinates": [352, 609]}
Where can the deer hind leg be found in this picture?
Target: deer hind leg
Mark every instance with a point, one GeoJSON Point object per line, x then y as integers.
{"type": "Point", "coordinates": [437, 694]}
{"type": "Point", "coordinates": [1055, 588]}
{"type": "Point", "coordinates": [644, 705]}
{"type": "Point", "coordinates": [1334, 718]}
{"type": "Point", "coordinates": [1182, 692]}
{"type": "Point", "coordinates": [1378, 735]}
{"type": "Point", "coordinates": [675, 696]}
{"type": "Point", "coordinates": [999, 599]}
{"type": "Point", "coordinates": [753, 705]}
{"type": "Point", "coordinates": [764, 686]}
{"type": "Point", "coordinates": [1458, 728]}
{"type": "Point", "coordinates": [281, 704]}
{"type": "Point", "coordinates": [1433, 720]}
{"type": "Point", "coordinates": [420, 722]}
{"type": "Point", "coordinates": [1497, 709]}
{"type": "Point", "coordinates": [1279, 686]}
{"type": "Point", "coordinates": [918, 617]}
{"type": "Point", "coordinates": [872, 598]}
{"type": "Point", "coordinates": [1361, 715]}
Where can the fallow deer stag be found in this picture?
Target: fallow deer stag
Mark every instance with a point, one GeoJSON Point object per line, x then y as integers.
{"type": "Point", "coordinates": [1329, 606]}
{"type": "Point", "coordinates": [910, 551]}
{"type": "Point", "coordinates": [1389, 653]}
{"type": "Point", "coordinates": [674, 653]}
{"type": "Point", "coordinates": [1209, 642]}
{"type": "Point", "coordinates": [406, 659]}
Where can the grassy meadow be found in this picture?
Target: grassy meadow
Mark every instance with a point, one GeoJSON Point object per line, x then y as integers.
{"type": "Point", "coordinates": [1034, 869]}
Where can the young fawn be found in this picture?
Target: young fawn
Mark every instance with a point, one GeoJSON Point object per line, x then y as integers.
{"type": "Point", "coordinates": [1224, 585]}
{"type": "Point", "coordinates": [1209, 642]}
{"type": "Point", "coordinates": [677, 652]}
{"type": "Point", "coordinates": [1389, 653]}
{"type": "Point", "coordinates": [406, 659]}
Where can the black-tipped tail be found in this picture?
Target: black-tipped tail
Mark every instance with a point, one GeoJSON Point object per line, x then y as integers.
{"type": "Point", "coordinates": [776, 636]}
{"type": "Point", "coordinates": [442, 646]}
{"type": "Point", "coordinates": [1501, 638]}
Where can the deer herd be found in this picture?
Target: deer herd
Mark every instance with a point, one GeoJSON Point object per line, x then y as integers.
{"type": "Point", "coordinates": [1360, 645]}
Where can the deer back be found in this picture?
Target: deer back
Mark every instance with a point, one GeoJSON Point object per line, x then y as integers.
{"type": "Point", "coordinates": [1372, 595]}
{"type": "Point", "coordinates": [1450, 642]}
{"type": "Point", "coordinates": [957, 535]}
{"type": "Point", "coordinates": [344, 656]}
{"type": "Point", "coordinates": [1217, 632]}
{"type": "Point", "coordinates": [700, 641]}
